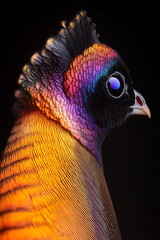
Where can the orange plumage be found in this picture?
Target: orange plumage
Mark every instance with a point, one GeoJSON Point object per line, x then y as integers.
{"type": "Point", "coordinates": [52, 184]}
{"type": "Point", "coordinates": [46, 184]}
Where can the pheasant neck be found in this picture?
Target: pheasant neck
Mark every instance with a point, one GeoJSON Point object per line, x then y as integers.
{"type": "Point", "coordinates": [51, 186]}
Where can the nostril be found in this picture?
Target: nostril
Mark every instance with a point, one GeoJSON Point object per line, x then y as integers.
{"type": "Point", "coordinates": [139, 100]}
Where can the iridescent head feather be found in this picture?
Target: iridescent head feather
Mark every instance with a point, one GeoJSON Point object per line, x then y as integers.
{"type": "Point", "coordinates": [65, 80]}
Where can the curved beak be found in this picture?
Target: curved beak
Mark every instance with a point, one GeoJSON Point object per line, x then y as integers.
{"type": "Point", "coordinates": [140, 107]}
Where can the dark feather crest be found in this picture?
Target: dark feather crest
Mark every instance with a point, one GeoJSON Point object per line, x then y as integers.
{"type": "Point", "coordinates": [73, 39]}
{"type": "Point", "coordinates": [47, 66]}
{"type": "Point", "coordinates": [60, 50]}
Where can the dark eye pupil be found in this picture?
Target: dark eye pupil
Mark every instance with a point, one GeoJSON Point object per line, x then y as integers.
{"type": "Point", "coordinates": [115, 85]}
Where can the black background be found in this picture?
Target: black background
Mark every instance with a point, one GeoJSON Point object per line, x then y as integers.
{"type": "Point", "coordinates": [130, 152]}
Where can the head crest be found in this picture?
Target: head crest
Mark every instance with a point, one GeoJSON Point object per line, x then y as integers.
{"type": "Point", "coordinates": [47, 67]}
{"type": "Point", "coordinates": [73, 39]}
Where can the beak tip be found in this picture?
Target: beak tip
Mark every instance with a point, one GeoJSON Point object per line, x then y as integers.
{"type": "Point", "coordinates": [146, 111]}
{"type": "Point", "coordinates": [149, 114]}
{"type": "Point", "coordinates": [141, 111]}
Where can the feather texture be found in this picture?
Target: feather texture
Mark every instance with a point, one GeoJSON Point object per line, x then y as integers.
{"type": "Point", "coordinates": [52, 184]}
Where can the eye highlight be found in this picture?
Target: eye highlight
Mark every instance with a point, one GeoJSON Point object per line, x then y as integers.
{"type": "Point", "coordinates": [115, 85]}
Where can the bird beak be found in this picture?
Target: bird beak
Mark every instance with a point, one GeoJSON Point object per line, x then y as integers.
{"type": "Point", "coordinates": [140, 107]}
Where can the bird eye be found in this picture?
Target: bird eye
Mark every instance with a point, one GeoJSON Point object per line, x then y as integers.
{"type": "Point", "coordinates": [115, 85]}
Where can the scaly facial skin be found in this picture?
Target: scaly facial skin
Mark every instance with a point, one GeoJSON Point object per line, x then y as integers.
{"type": "Point", "coordinates": [73, 86]}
